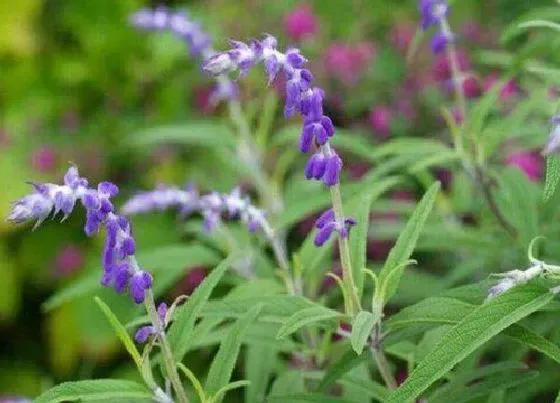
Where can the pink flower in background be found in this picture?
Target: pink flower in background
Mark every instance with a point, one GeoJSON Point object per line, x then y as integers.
{"type": "Point", "coordinates": [442, 65]}
{"type": "Point", "coordinates": [201, 99]}
{"type": "Point", "coordinates": [472, 31]}
{"type": "Point", "coordinates": [471, 87]}
{"type": "Point", "coordinates": [69, 259]}
{"type": "Point", "coordinates": [347, 62]}
{"type": "Point", "coordinates": [401, 35]}
{"type": "Point", "coordinates": [70, 121]}
{"type": "Point", "coordinates": [509, 90]}
{"type": "Point", "coordinates": [529, 162]}
{"type": "Point", "coordinates": [4, 138]}
{"type": "Point", "coordinates": [192, 280]}
{"type": "Point", "coordinates": [380, 120]}
{"type": "Point", "coordinates": [300, 23]}
{"type": "Point", "coordinates": [43, 159]}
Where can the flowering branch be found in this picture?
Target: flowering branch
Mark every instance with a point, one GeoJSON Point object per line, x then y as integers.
{"type": "Point", "coordinates": [120, 267]}
{"type": "Point", "coordinates": [302, 98]}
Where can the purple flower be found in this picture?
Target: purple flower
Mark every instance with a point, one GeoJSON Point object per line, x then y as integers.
{"type": "Point", "coordinates": [431, 12]}
{"type": "Point", "coordinates": [434, 12]}
{"type": "Point", "coordinates": [553, 143]}
{"type": "Point", "coordinates": [440, 41]}
{"type": "Point", "coordinates": [120, 268]}
{"type": "Point", "coordinates": [144, 332]}
{"type": "Point", "coordinates": [211, 206]}
{"type": "Point", "coordinates": [198, 42]}
{"type": "Point", "coordinates": [328, 223]}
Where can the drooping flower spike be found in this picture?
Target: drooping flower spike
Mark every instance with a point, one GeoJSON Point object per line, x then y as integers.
{"type": "Point", "coordinates": [120, 268]}
{"type": "Point", "coordinates": [198, 41]}
{"type": "Point", "coordinates": [434, 12]}
{"type": "Point", "coordinates": [212, 206]}
{"type": "Point", "coordinates": [301, 97]}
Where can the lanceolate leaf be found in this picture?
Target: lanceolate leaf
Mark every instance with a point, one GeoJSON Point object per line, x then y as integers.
{"type": "Point", "coordinates": [305, 398]}
{"type": "Point", "coordinates": [224, 361]}
{"type": "Point", "coordinates": [99, 389]}
{"type": "Point", "coordinates": [306, 317]}
{"type": "Point", "coordinates": [405, 244]}
{"type": "Point", "coordinates": [341, 366]}
{"type": "Point", "coordinates": [450, 311]}
{"type": "Point", "coordinates": [475, 329]}
{"type": "Point", "coordinates": [361, 329]}
{"type": "Point", "coordinates": [201, 133]}
{"type": "Point", "coordinates": [121, 332]}
{"type": "Point", "coordinates": [552, 176]}
{"type": "Point", "coordinates": [361, 205]}
{"type": "Point", "coordinates": [186, 315]}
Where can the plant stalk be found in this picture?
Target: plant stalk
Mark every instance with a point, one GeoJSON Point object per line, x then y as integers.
{"type": "Point", "coordinates": [348, 276]}
{"type": "Point", "coordinates": [168, 359]}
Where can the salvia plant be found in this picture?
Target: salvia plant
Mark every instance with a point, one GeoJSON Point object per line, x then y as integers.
{"type": "Point", "coordinates": [299, 311]}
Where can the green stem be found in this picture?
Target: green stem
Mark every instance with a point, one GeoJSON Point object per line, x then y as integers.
{"type": "Point", "coordinates": [384, 368]}
{"type": "Point", "coordinates": [344, 248]}
{"type": "Point", "coordinates": [168, 360]}
{"type": "Point", "coordinates": [252, 159]}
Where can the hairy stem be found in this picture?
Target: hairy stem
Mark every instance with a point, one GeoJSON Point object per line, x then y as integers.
{"type": "Point", "coordinates": [381, 360]}
{"type": "Point", "coordinates": [384, 368]}
{"type": "Point", "coordinates": [252, 159]}
{"type": "Point", "coordinates": [344, 248]}
{"type": "Point", "coordinates": [168, 360]}
{"type": "Point", "coordinates": [479, 175]}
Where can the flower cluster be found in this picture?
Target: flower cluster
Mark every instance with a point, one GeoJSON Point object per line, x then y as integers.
{"type": "Point", "coordinates": [301, 97]}
{"type": "Point", "coordinates": [120, 266]}
{"type": "Point", "coordinates": [553, 143]}
{"type": "Point", "coordinates": [211, 206]}
{"type": "Point", "coordinates": [433, 12]}
{"type": "Point", "coordinates": [327, 224]}
{"type": "Point", "coordinates": [198, 41]}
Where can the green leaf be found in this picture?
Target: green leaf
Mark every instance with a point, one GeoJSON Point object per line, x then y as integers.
{"type": "Point", "coordinates": [392, 271]}
{"type": "Point", "coordinates": [340, 367]}
{"type": "Point", "coordinates": [552, 176]}
{"type": "Point", "coordinates": [486, 387]}
{"type": "Point", "coordinates": [306, 317]}
{"type": "Point", "coordinates": [224, 361]}
{"type": "Point", "coordinates": [121, 333]}
{"type": "Point", "coordinates": [361, 205]}
{"type": "Point", "coordinates": [450, 311]}
{"type": "Point", "coordinates": [186, 315]}
{"type": "Point", "coordinates": [305, 398]}
{"type": "Point", "coordinates": [361, 329]}
{"type": "Point", "coordinates": [231, 386]}
{"type": "Point", "coordinates": [366, 386]}
{"type": "Point", "coordinates": [198, 133]}
{"type": "Point", "coordinates": [475, 329]}
{"type": "Point", "coordinates": [194, 381]}
{"type": "Point", "coordinates": [540, 24]}
{"type": "Point", "coordinates": [276, 309]}
{"type": "Point", "coordinates": [98, 389]}
{"type": "Point", "coordinates": [260, 364]}
{"type": "Point", "coordinates": [167, 264]}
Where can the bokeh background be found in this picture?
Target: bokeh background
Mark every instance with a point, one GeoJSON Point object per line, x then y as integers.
{"type": "Point", "coordinates": [77, 83]}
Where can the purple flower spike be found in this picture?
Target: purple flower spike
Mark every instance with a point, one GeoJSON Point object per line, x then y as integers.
{"type": "Point", "coordinates": [333, 167]}
{"type": "Point", "coordinates": [118, 260]}
{"type": "Point", "coordinates": [197, 41]}
{"type": "Point", "coordinates": [434, 12]}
